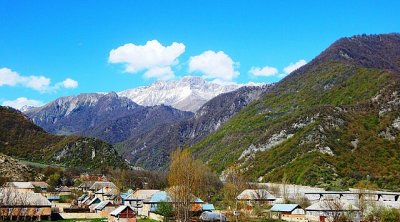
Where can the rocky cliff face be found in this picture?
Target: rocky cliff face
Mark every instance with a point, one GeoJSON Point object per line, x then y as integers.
{"type": "Point", "coordinates": [14, 170]}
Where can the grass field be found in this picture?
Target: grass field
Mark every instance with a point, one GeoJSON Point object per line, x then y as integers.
{"type": "Point", "coordinates": [38, 165]}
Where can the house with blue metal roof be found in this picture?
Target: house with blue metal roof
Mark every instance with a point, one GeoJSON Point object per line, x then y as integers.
{"type": "Point", "coordinates": [151, 204]}
{"type": "Point", "coordinates": [207, 207]}
{"type": "Point", "coordinates": [53, 199]}
{"type": "Point", "coordinates": [288, 212]}
{"type": "Point", "coordinates": [287, 208]}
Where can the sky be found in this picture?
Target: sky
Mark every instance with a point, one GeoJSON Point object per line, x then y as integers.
{"type": "Point", "coordinates": [50, 49]}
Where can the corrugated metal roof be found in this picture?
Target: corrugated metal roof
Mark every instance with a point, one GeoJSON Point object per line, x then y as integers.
{"type": "Point", "coordinates": [284, 207]}
{"type": "Point", "coordinates": [198, 200]}
{"type": "Point", "coordinates": [332, 205]}
{"type": "Point", "coordinates": [209, 207]}
{"type": "Point", "coordinates": [23, 199]}
{"type": "Point", "coordinates": [20, 185]}
{"type": "Point", "coordinates": [160, 196]}
{"type": "Point", "coordinates": [142, 194]}
{"type": "Point", "coordinates": [93, 200]}
{"type": "Point", "coordinates": [86, 184]}
{"type": "Point", "coordinates": [100, 184]}
{"type": "Point", "coordinates": [102, 205]}
{"type": "Point", "coordinates": [63, 189]}
{"type": "Point", "coordinates": [255, 194]}
{"type": "Point", "coordinates": [40, 184]}
{"type": "Point", "coordinates": [53, 197]}
{"type": "Point", "coordinates": [119, 210]}
{"type": "Point", "coordinates": [87, 198]}
{"type": "Point", "coordinates": [82, 197]}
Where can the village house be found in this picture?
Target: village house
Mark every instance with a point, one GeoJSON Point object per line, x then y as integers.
{"type": "Point", "coordinates": [40, 186]}
{"type": "Point", "coordinates": [207, 207]}
{"type": "Point", "coordinates": [63, 191]}
{"type": "Point", "coordinates": [329, 210]}
{"type": "Point", "coordinates": [288, 212]}
{"type": "Point", "coordinates": [85, 201]}
{"type": "Point", "coordinates": [20, 186]}
{"type": "Point", "coordinates": [93, 203]}
{"type": "Point", "coordinates": [85, 185]}
{"type": "Point", "coordinates": [104, 208]}
{"type": "Point", "coordinates": [107, 193]}
{"type": "Point", "coordinates": [123, 214]}
{"type": "Point", "coordinates": [135, 199]}
{"type": "Point", "coordinates": [22, 205]}
{"type": "Point", "coordinates": [125, 195]}
{"type": "Point", "coordinates": [116, 199]}
{"type": "Point", "coordinates": [53, 199]}
{"type": "Point", "coordinates": [253, 196]}
{"type": "Point", "coordinates": [82, 198]}
{"type": "Point", "coordinates": [101, 184]}
{"type": "Point", "coordinates": [150, 205]}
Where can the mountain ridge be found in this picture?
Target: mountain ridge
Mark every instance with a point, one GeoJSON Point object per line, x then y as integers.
{"type": "Point", "coordinates": [322, 124]}
{"type": "Point", "coordinates": [187, 94]}
{"type": "Point", "coordinates": [151, 149]}
{"type": "Point", "coordinates": [105, 116]}
{"type": "Point", "coordinates": [22, 139]}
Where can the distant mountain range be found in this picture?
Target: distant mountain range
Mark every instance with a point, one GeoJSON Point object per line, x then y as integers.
{"type": "Point", "coordinates": [145, 135]}
{"type": "Point", "coordinates": [188, 93]}
{"type": "Point", "coordinates": [105, 116]}
{"type": "Point", "coordinates": [333, 122]}
{"type": "Point", "coordinates": [152, 149]}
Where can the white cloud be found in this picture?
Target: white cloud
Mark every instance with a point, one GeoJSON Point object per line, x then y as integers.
{"type": "Point", "coordinates": [39, 83]}
{"type": "Point", "coordinates": [214, 65]}
{"type": "Point", "coordinates": [264, 71]}
{"type": "Point", "coordinates": [8, 77]}
{"type": "Point", "coordinates": [161, 73]}
{"type": "Point", "coordinates": [151, 57]}
{"type": "Point", "coordinates": [21, 102]}
{"type": "Point", "coordinates": [293, 66]}
{"type": "Point", "coordinates": [69, 83]}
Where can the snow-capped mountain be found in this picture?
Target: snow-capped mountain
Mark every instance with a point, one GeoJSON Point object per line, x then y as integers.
{"type": "Point", "coordinates": [188, 93]}
{"type": "Point", "coordinates": [105, 116]}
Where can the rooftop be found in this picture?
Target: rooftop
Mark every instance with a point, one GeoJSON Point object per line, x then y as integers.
{"type": "Point", "coordinates": [142, 194]}
{"type": "Point", "coordinates": [20, 185]}
{"type": "Point", "coordinates": [119, 210]}
{"type": "Point", "coordinates": [255, 194]}
{"type": "Point", "coordinates": [10, 198]}
{"type": "Point", "coordinates": [284, 207]}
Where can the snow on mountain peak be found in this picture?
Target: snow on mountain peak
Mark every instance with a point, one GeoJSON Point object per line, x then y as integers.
{"type": "Point", "coordinates": [188, 93]}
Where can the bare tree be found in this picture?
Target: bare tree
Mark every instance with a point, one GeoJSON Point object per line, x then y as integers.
{"type": "Point", "coordinates": [285, 192]}
{"type": "Point", "coordinates": [336, 209]}
{"type": "Point", "coordinates": [187, 180]}
{"type": "Point", "coordinates": [261, 196]}
{"type": "Point", "coordinates": [275, 190]}
{"type": "Point", "coordinates": [234, 185]}
{"type": "Point", "coordinates": [365, 197]}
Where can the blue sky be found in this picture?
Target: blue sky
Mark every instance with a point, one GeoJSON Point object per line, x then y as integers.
{"type": "Point", "coordinates": [50, 49]}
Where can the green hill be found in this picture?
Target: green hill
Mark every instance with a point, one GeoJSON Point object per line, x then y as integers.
{"type": "Point", "coordinates": [22, 139]}
{"type": "Point", "coordinates": [332, 123]}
